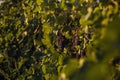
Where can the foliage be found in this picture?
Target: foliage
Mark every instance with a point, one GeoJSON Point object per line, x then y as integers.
{"type": "Point", "coordinates": [59, 40]}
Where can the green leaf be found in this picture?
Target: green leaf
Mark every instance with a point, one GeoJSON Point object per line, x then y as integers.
{"type": "Point", "coordinates": [44, 69]}
{"type": "Point", "coordinates": [71, 67]}
{"type": "Point", "coordinates": [39, 2]}
{"type": "Point", "coordinates": [22, 62]}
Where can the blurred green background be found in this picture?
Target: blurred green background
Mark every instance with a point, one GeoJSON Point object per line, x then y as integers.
{"type": "Point", "coordinates": [60, 40]}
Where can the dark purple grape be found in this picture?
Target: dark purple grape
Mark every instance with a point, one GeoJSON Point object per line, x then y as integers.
{"type": "Point", "coordinates": [60, 41]}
